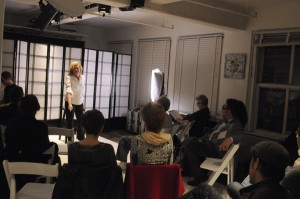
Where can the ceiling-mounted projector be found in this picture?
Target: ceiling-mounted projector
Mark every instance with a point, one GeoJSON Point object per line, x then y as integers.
{"type": "Point", "coordinates": [50, 8]}
{"type": "Point", "coordinates": [133, 5]}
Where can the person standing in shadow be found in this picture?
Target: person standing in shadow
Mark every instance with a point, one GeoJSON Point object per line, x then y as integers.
{"type": "Point", "coordinates": [7, 81]}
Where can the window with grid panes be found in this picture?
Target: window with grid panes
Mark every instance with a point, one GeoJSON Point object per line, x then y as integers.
{"type": "Point", "coordinates": [276, 90]}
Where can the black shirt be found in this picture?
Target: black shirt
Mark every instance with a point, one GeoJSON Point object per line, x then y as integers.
{"type": "Point", "coordinates": [7, 90]}
{"type": "Point", "coordinates": [200, 118]}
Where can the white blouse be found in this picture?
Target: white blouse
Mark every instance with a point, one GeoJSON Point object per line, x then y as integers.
{"type": "Point", "coordinates": [76, 88]}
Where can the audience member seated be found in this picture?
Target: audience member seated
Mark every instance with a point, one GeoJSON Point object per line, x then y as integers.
{"type": "Point", "coordinates": [164, 101]}
{"type": "Point", "coordinates": [291, 180]}
{"type": "Point", "coordinates": [124, 145]}
{"type": "Point", "coordinates": [13, 109]}
{"type": "Point", "coordinates": [90, 151]}
{"type": "Point", "coordinates": [216, 145]}
{"type": "Point", "coordinates": [266, 170]}
{"type": "Point", "coordinates": [200, 117]}
{"type": "Point", "coordinates": [152, 146]}
{"type": "Point", "coordinates": [26, 137]}
{"type": "Point", "coordinates": [7, 81]}
{"type": "Point", "coordinates": [203, 191]}
{"type": "Point", "coordinates": [92, 171]}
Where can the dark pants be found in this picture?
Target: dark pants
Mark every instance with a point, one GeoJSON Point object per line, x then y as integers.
{"type": "Point", "coordinates": [78, 109]}
{"type": "Point", "coordinates": [195, 153]}
{"type": "Point", "coordinates": [124, 147]}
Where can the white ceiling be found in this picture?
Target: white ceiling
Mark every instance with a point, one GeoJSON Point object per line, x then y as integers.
{"type": "Point", "coordinates": [230, 13]}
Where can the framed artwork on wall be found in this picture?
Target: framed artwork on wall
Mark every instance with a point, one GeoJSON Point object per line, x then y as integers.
{"type": "Point", "coordinates": [235, 66]}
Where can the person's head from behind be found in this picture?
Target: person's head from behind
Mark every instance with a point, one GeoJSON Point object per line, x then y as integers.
{"type": "Point", "coordinates": [164, 102]}
{"type": "Point", "coordinates": [29, 105]}
{"type": "Point", "coordinates": [153, 115]}
{"type": "Point", "coordinates": [6, 78]}
{"type": "Point", "coordinates": [201, 101]}
{"type": "Point", "coordinates": [93, 122]}
{"type": "Point", "coordinates": [16, 95]}
{"type": "Point", "coordinates": [269, 161]}
{"type": "Point", "coordinates": [75, 69]}
{"type": "Point", "coordinates": [235, 109]}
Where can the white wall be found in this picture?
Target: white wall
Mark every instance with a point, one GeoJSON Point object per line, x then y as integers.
{"type": "Point", "coordinates": [94, 37]}
{"type": "Point", "coordinates": [285, 15]}
{"type": "Point", "coordinates": [235, 41]}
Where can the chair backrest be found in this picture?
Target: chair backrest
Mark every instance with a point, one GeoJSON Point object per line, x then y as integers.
{"type": "Point", "coordinates": [153, 181]}
{"type": "Point", "coordinates": [61, 131]}
{"type": "Point", "coordinates": [31, 168]}
{"type": "Point", "coordinates": [79, 181]}
{"type": "Point", "coordinates": [181, 131]}
{"type": "Point", "coordinates": [50, 151]}
{"type": "Point", "coordinates": [230, 153]}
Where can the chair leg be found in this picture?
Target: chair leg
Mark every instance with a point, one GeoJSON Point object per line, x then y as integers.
{"type": "Point", "coordinates": [63, 118]}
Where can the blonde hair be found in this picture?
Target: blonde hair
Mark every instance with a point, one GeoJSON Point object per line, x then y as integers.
{"type": "Point", "coordinates": [72, 65]}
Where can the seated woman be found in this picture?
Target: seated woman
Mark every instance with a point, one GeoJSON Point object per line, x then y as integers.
{"type": "Point", "coordinates": [92, 171]}
{"type": "Point", "coordinates": [152, 146]}
{"type": "Point", "coordinates": [26, 137]}
{"type": "Point", "coordinates": [90, 151]}
{"type": "Point", "coordinates": [124, 145]}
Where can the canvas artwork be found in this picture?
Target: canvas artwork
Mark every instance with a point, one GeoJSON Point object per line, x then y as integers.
{"type": "Point", "coordinates": [235, 66]}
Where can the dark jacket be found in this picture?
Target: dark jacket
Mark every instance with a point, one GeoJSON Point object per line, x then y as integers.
{"type": "Point", "coordinates": [26, 139]}
{"type": "Point", "coordinates": [100, 155]}
{"type": "Point", "coordinates": [265, 189]}
{"type": "Point", "coordinates": [9, 112]}
{"type": "Point", "coordinates": [200, 118]}
{"type": "Point", "coordinates": [83, 182]}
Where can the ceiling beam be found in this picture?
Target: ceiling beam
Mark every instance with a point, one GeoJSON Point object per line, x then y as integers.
{"type": "Point", "coordinates": [113, 3]}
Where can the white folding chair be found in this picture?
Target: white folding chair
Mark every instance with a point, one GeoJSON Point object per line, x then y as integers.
{"type": "Point", "coordinates": [50, 151]}
{"type": "Point", "coordinates": [218, 166]}
{"type": "Point", "coordinates": [30, 190]}
{"type": "Point", "coordinates": [62, 131]}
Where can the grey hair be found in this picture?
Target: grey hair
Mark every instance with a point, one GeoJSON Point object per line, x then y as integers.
{"type": "Point", "coordinates": [203, 99]}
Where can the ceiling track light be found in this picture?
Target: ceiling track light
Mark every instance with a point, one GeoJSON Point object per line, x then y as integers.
{"type": "Point", "coordinates": [104, 9]}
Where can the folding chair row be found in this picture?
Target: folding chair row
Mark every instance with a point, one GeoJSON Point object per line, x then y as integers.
{"type": "Point", "coordinates": [30, 190]}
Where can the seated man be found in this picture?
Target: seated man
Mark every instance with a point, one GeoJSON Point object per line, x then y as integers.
{"type": "Point", "coordinates": [199, 117]}
{"type": "Point", "coordinates": [216, 145]}
{"type": "Point", "coordinates": [124, 145]}
{"type": "Point", "coordinates": [165, 103]}
{"type": "Point", "coordinates": [290, 181]}
{"type": "Point", "coordinates": [266, 170]}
